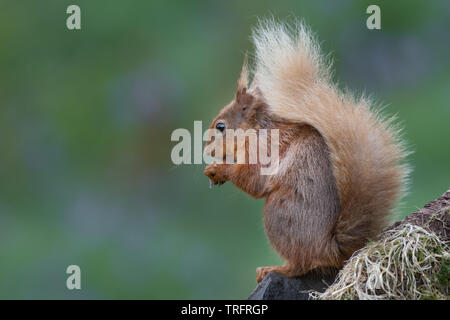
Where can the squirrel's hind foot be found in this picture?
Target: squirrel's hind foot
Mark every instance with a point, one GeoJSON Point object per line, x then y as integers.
{"type": "Point", "coordinates": [285, 270]}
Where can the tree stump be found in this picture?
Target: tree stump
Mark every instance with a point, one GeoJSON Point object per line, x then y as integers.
{"type": "Point", "coordinates": [433, 217]}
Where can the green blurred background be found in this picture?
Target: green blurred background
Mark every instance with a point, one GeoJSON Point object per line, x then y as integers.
{"type": "Point", "coordinates": [86, 116]}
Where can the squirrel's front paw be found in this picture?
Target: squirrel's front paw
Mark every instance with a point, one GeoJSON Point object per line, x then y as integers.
{"type": "Point", "coordinates": [216, 174]}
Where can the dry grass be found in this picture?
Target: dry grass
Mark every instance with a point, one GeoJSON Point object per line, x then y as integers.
{"type": "Point", "coordinates": [407, 263]}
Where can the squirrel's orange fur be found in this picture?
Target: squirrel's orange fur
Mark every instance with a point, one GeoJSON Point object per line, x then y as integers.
{"type": "Point", "coordinates": [341, 168]}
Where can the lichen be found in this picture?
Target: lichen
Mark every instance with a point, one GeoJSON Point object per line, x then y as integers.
{"type": "Point", "coordinates": [409, 262]}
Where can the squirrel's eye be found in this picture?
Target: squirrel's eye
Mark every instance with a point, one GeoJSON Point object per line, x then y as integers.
{"type": "Point", "coordinates": [220, 126]}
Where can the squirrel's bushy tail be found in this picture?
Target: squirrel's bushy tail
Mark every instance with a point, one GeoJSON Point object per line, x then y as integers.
{"type": "Point", "coordinates": [365, 149]}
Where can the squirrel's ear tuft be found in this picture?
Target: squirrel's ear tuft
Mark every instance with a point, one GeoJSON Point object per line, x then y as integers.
{"type": "Point", "coordinates": [243, 77]}
{"type": "Point", "coordinates": [242, 97]}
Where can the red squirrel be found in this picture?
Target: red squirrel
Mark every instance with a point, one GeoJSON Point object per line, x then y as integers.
{"type": "Point", "coordinates": [341, 164]}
